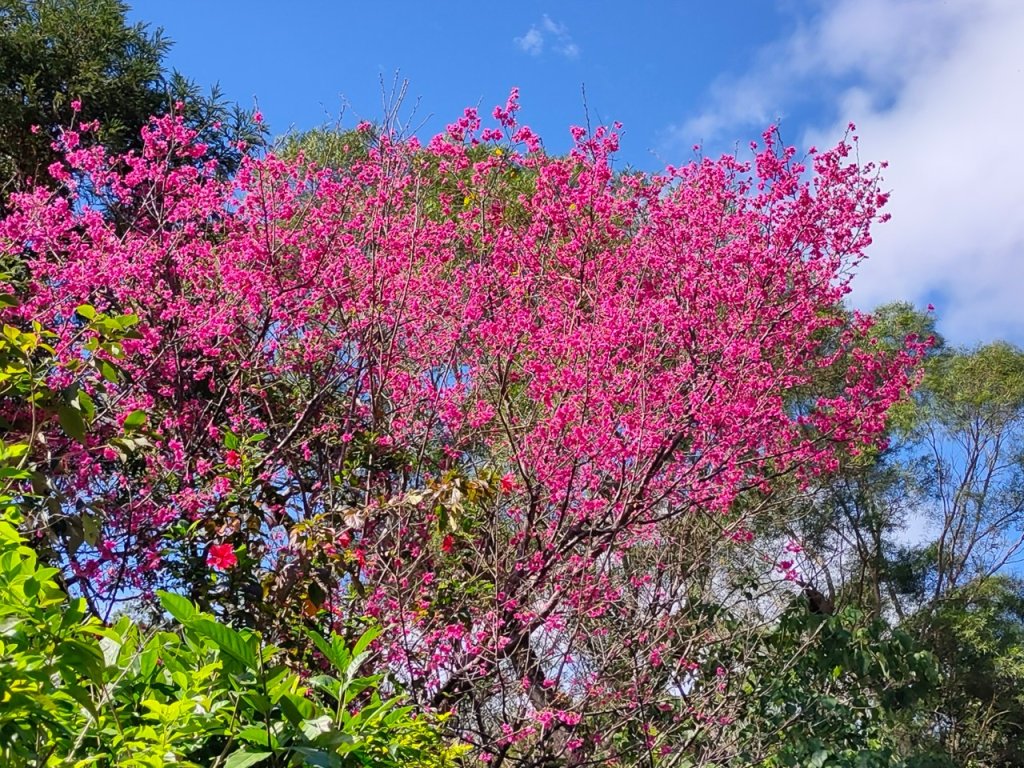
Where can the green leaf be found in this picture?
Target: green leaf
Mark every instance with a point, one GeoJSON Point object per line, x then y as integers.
{"type": "Point", "coordinates": [317, 594]}
{"type": "Point", "coordinates": [86, 406]}
{"type": "Point", "coordinates": [337, 654]}
{"type": "Point", "coordinates": [258, 736]}
{"type": "Point", "coordinates": [135, 420]}
{"type": "Point", "coordinates": [179, 607]}
{"type": "Point", "coordinates": [82, 657]}
{"type": "Point", "coordinates": [72, 423]}
{"type": "Point", "coordinates": [15, 450]}
{"type": "Point", "coordinates": [148, 659]}
{"type": "Point", "coordinates": [314, 728]}
{"type": "Point", "coordinates": [81, 695]}
{"type": "Point", "coordinates": [243, 758]}
{"type": "Point", "coordinates": [296, 708]}
{"type": "Point", "coordinates": [87, 311]}
{"type": "Point", "coordinates": [320, 759]}
{"type": "Point", "coordinates": [363, 642]}
{"type": "Point", "coordinates": [90, 529]}
{"type": "Point", "coordinates": [108, 371]}
{"type": "Point", "coordinates": [229, 641]}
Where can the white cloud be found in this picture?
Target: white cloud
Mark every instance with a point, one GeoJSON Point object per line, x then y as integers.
{"type": "Point", "coordinates": [551, 26]}
{"type": "Point", "coordinates": [570, 50]}
{"type": "Point", "coordinates": [938, 91]}
{"type": "Point", "coordinates": [532, 42]}
{"type": "Point", "coordinates": [548, 32]}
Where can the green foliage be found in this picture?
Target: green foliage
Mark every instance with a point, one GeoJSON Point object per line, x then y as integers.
{"type": "Point", "coordinates": [328, 147]}
{"type": "Point", "coordinates": [978, 635]}
{"type": "Point", "coordinates": [894, 322]}
{"type": "Point", "coordinates": [962, 387]}
{"type": "Point", "coordinates": [954, 469]}
{"type": "Point", "coordinates": [54, 52]}
{"type": "Point", "coordinates": [813, 688]}
{"type": "Point", "coordinates": [77, 692]}
{"type": "Point", "coordinates": [806, 688]}
{"type": "Point", "coordinates": [842, 699]}
{"type": "Point", "coordinates": [921, 665]}
{"type": "Point", "coordinates": [493, 181]}
{"type": "Point", "coordinates": [28, 403]}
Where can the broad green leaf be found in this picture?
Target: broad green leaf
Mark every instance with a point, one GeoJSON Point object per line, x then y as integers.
{"type": "Point", "coordinates": [313, 728]}
{"type": "Point", "coordinates": [243, 758]}
{"type": "Point", "coordinates": [337, 656]}
{"type": "Point", "coordinates": [229, 641]}
{"type": "Point", "coordinates": [258, 735]}
{"type": "Point", "coordinates": [108, 371]}
{"type": "Point", "coordinates": [86, 406]}
{"type": "Point", "coordinates": [363, 642]}
{"type": "Point", "coordinates": [72, 422]}
{"type": "Point", "coordinates": [135, 420]}
{"type": "Point", "coordinates": [321, 759]}
{"type": "Point", "coordinates": [179, 607]}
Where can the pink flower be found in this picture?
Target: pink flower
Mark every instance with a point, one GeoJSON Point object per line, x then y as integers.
{"type": "Point", "coordinates": [545, 718]}
{"type": "Point", "coordinates": [641, 352]}
{"type": "Point", "coordinates": [569, 718]}
{"type": "Point", "coordinates": [76, 105]}
{"type": "Point", "coordinates": [221, 557]}
{"type": "Point", "coordinates": [742, 536]}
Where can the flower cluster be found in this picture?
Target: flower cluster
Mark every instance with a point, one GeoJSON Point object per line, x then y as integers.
{"type": "Point", "coordinates": [455, 382]}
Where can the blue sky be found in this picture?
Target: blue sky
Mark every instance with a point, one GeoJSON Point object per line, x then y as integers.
{"type": "Point", "coordinates": [646, 65]}
{"type": "Point", "coordinates": [936, 88]}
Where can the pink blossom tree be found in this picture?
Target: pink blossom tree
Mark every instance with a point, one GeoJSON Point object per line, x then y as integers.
{"type": "Point", "coordinates": [465, 388]}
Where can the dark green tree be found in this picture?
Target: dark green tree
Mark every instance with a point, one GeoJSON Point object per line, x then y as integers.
{"type": "Point", "coordinates": [58, 53]}
{"type": "Point", "coordinates": [924, 534]}
{"type": "Point", "coordinates": [977, 635]}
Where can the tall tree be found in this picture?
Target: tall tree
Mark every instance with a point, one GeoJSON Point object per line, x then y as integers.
{"type": "Point", "coordinates": [65, 62]}
{"type": "Point", "coordinates": [463, 387]}
{"type": "Point", "coordinates": [926, 532]}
